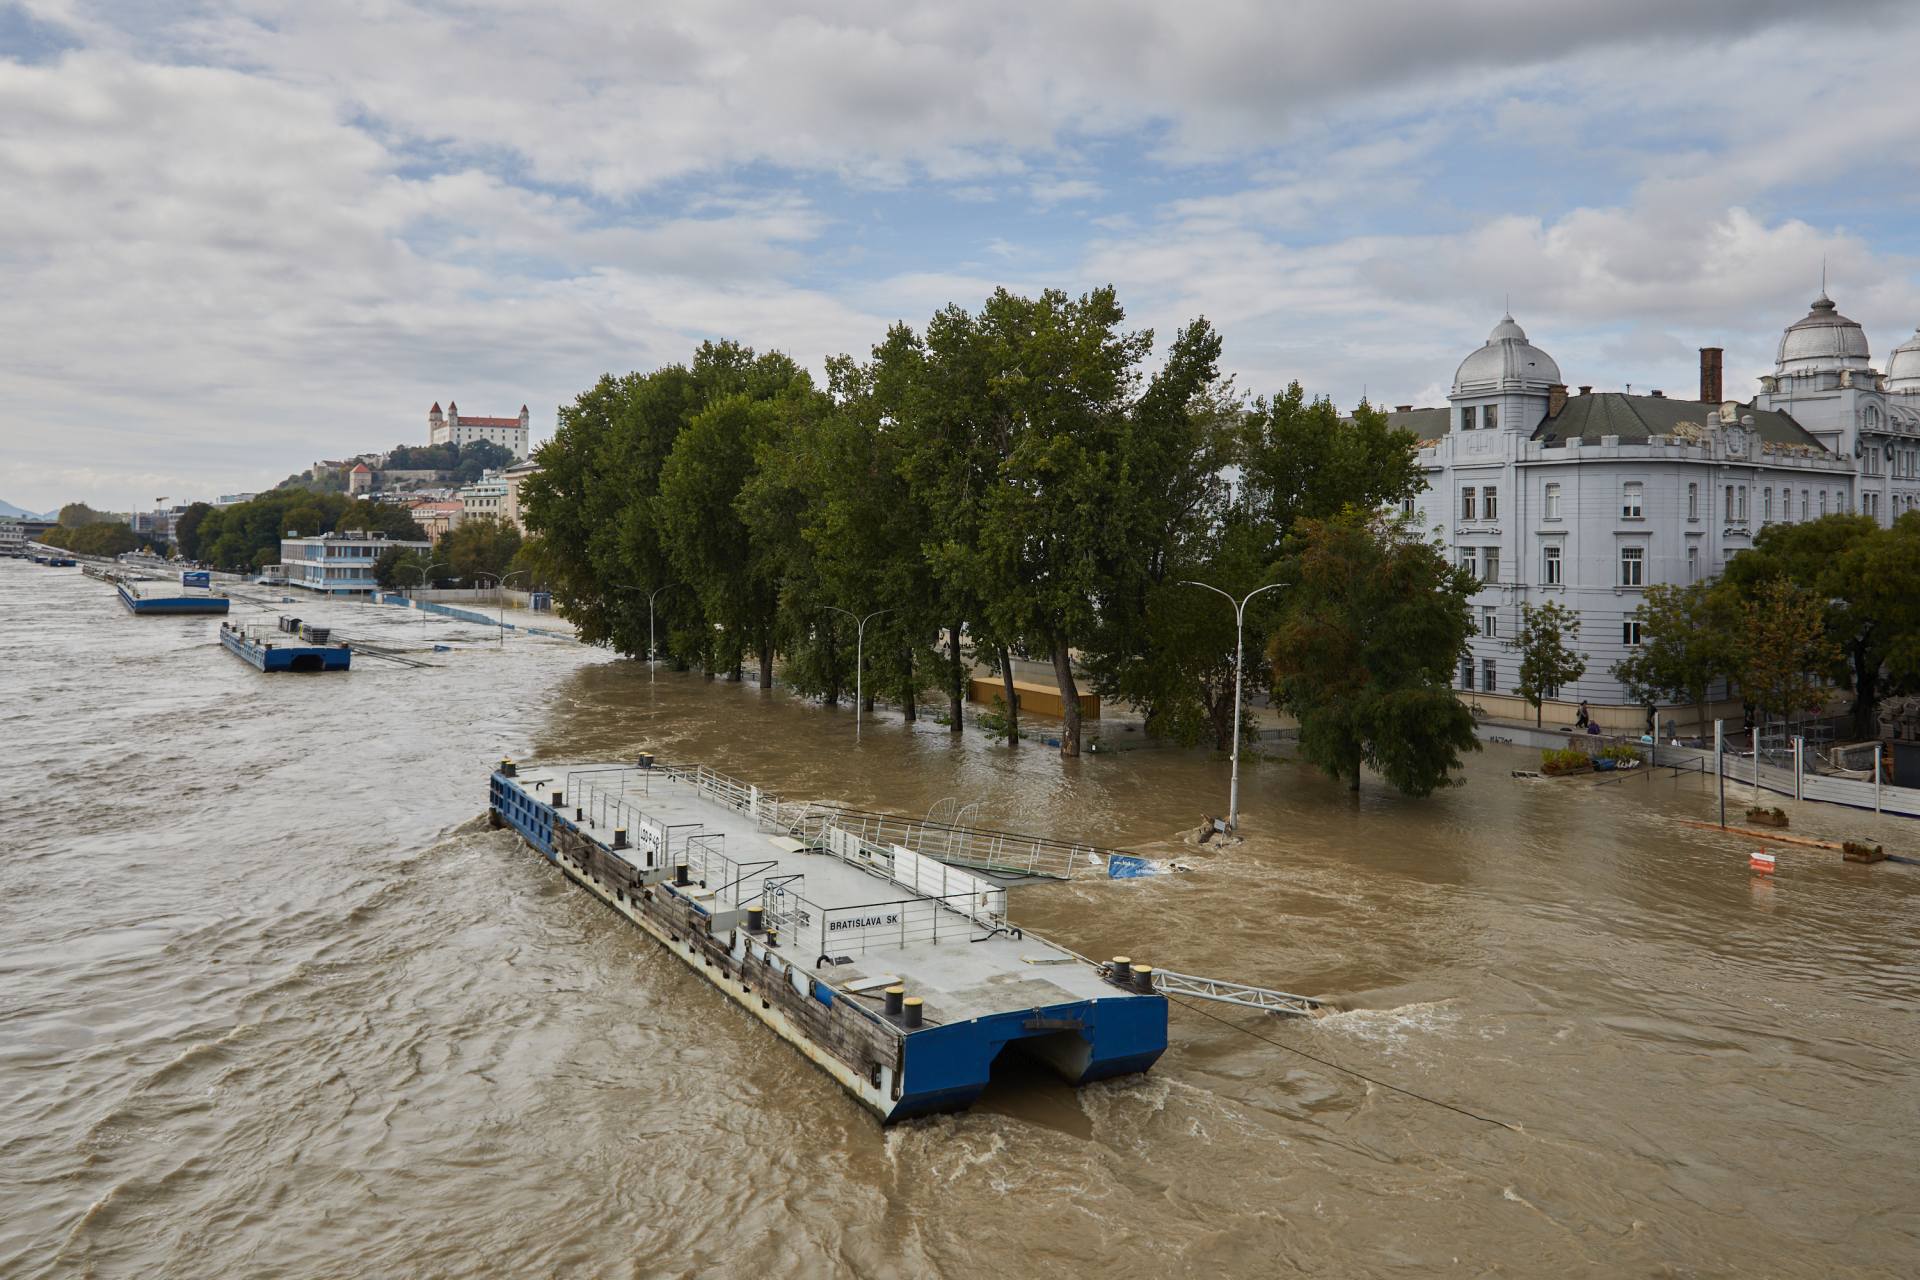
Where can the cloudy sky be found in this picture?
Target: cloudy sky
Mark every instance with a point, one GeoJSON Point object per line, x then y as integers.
{"type": "Point", "coordinates": [238, 235]}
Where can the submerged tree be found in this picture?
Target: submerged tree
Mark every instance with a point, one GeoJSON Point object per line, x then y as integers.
{"type": "Point", "coordinates": [1375, 622]}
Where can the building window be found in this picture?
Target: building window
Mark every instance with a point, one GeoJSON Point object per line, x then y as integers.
{"type": "Point", "coordinates": [1466, 503]}
{"type": "Point", "coordinates": [1466, 424]}
{"type": "Point", "coordinates": [1490, 416]}
{"type": "Point", "coordinates": [1742, 493]}
{"type": "Point", "coordinates": [1406, 507]}
{"type": "Point", "coordinates": [1492, 557]}
{"type": "Point", "coordinates": [1487, 671]}
{"type": "Point", "coordinates": [1489, 621]}
{"type": "Point", "coordinates": [1693, 502]}
{"type": "Point", "coordinates": [1466, 673]}
{"type": "Point", "coordinates": [1470, 560]}
{"type": "Point", "coordinates": [1766, 505]}
{"type": "Point", "coordinates": [1729, 507]}
{"type": "Point", "coordinates": [1632, 500]}
{"type": "Point", "coordinates": [1823, 503]}
{"type": "Point", "coordinates": [1632, 566]}
{"type": "Point", "coordinates": [1553, 502]}
{"type": "Point", "coordinates": [1630, 632]}
{"type": "Point", "coordinates": [1550, 565]}
{"type": "Point", "coordinates": [1693, 564]}
{"type": "Point", "coordinates": [1806, 504]}
{"type": "Point", "coordinates": [1490, 503]}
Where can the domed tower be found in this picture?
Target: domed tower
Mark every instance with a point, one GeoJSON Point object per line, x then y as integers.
{"type": "Point", "coordinates": [1505, 384]}
{"type": "Point", "coordinates": [1824, 378]}
{"type": "Point", "coordinates": [1823, 342]}
{"type": "Point", "coordinates": [1903, 366]}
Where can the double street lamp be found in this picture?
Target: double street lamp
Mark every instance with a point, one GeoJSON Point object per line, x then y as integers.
{"type": "Point", "coordinates": [859, 658]}
{"type": "Point", "coordinates": [500, 586]}
{"type": "Point", "coordinates": [1239, 631]}
{"type": "Point", "coordinates": [423, 571]}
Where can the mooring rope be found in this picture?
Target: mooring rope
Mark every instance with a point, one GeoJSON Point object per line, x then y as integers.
{"type": "Point", "coordinates": [1421, 1097]}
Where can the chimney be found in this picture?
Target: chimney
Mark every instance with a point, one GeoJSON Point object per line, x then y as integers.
{"type": "Point", "coordinates": [1710, 375]}
{"type": "Point", "coordinates": [1586, 391]}
{"type": "Point", "coordinates": [1659, 395]}
{"type": "Point", "coordinates": [1556, 399]}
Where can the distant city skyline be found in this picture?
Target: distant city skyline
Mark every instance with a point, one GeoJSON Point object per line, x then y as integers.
{"type": "Point", "coordinates": [241, 236]}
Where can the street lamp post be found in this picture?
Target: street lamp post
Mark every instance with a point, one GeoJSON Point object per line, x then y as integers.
{"type": "Point", "coordinates": [651, 597]}
{"type": "Point", "coordinates": [423, 572]}
{"type": "Point", "coordinates": [500, 586]}
{"type": "Point", "coordinates": [859, 658]}
{"type": "Point", "coordinates": [1239, 631]}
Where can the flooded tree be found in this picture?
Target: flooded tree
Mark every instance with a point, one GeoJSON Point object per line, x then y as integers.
{"type": "Point", "coordinates": [1364, 657]}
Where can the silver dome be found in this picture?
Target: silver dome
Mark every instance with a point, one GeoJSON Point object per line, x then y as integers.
{"type": "Point", "coordinates": [1823, 340]}
{"type": "Point", "coordinates": [1903, 366]}
{"type": "Point", "coordinates": [1507, 359]}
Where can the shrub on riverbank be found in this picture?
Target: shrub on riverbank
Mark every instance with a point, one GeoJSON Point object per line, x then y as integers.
{"type": "Point", "coordinates": [1558, 761]}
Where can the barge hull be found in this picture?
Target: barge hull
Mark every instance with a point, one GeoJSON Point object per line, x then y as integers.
{"type": "Point", "coordinates": [893, 1070]}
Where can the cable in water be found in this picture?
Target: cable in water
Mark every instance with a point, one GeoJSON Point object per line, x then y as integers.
{"type": "Point", "coordinates": [1421, 1097]}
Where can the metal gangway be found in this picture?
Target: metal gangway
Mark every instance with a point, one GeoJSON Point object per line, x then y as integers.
{"type": "Point", "coordinates": [1007, 853]}
{"type": "Point", "coordinates": [1265, 999]}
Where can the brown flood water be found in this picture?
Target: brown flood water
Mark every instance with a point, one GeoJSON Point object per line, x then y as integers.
{"type": "Point", "coordinates": [273, 1003]}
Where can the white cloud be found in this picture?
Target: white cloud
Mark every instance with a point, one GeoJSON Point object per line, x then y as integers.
{"type": "Point", "coordinates": [240, 235]}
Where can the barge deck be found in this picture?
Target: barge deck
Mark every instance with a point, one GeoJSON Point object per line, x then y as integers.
{"type": "Point", "coordinates": [257, 646]}
{"type": "Point", "coordinates": [897, 974]}
{"type": "Point", "coordinates": [134, 593]}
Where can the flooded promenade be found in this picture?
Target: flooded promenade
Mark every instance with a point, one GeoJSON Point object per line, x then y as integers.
{"type": "Point", "coordinates": [245, 1029]}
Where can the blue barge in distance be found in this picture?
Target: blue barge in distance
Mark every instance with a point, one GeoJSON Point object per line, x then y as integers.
{"type": "Point", "coordinates": [897, 974]}
{"type": "Point", "coordinates": [255, 645]}
{"type": "Point", "coordinates": [134, 594]}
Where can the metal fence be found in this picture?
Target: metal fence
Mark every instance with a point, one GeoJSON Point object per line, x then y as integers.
{"type": "Point", "coordinates": [1793, 779]}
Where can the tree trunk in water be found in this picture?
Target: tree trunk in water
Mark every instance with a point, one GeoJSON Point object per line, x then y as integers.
{"type": "Point", "coordinates": [766, 665]}
{"type": "Point", "coordinates": [1069, 700]}
{"type": "Point", "coordinates": [1539, 711]}
{"type": "Point", "coordinates": [956, 688]}
{"type": "Point", "coordinates": [1013, 699]}
{"type": "Point", "coordinates": [832, 698]}
{"type": "Point", "coordinates": [1355, 784]}
{"type": "Point", "coordinates": [907, 698]}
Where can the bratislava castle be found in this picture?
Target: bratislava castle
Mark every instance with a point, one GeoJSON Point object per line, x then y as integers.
{"type": "Point", "coordinates": [1587, 498]}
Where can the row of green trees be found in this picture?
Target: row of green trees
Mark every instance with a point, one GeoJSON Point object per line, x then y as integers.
{"type": "Point", "coordinates": [475, 551]}
{"type": "Point", "coordinates": [246, 536]}
{"type": "Point", "coordinates": [1833, 601]}
{"type": "Point", "coordinates": [1014, 482]}
{"type": "Point", "coordinates": [96, 538]}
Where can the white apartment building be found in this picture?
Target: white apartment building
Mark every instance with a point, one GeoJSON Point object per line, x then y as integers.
{"type": "Point", "coordinates": [455, 429]}
{"type": "Point", "coordinates": [1589, 499]}
{"type": "Point", "coordinates": [486, 496]}
{"type": "Point", "coordinates": [338, 564]}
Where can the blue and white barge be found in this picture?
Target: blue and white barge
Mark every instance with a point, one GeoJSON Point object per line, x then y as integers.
{"type": "Point", "coordinates": [146, 596]}
{"type": "Point", "coordinates": [258, 646]}
{"type": "Point", "coordinates": [899, 975]}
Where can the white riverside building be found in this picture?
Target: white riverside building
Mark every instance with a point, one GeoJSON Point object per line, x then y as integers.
{"type": "Point", "coordinates": [338, 564]}
{"type": "Point", "coordinates": [1588, 499]}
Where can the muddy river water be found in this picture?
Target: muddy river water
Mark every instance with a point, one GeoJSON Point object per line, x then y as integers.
{"type": "Point", "coordinates": [273, 1002]}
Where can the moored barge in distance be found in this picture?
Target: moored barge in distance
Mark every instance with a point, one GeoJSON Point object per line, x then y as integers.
{"type": "Point", "coordinates": [897, 974]}
{"type": "Point", "coordinates": [257, 646]}
{"type": "Point", "coordinates": [140, 595]}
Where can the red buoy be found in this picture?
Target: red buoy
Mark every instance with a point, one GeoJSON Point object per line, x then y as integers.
{"type": "Point", "coordinates": [1761, 862]}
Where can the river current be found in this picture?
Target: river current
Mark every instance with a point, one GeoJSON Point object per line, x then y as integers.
{"type": "Point", "coordinates": [274, 1002]}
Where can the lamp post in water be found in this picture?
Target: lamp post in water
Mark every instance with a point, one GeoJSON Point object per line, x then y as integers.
{"type": "Point", "coordinates": [1239, 630]}
{"type": "Point", "coordinates": [859, 657]}
{"type": "Point", "coordinates": [651, 597]}
{"type": "Point", "coordinates": [500, 587]}
{"type": "Point", "coordinates": [423, 572]}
